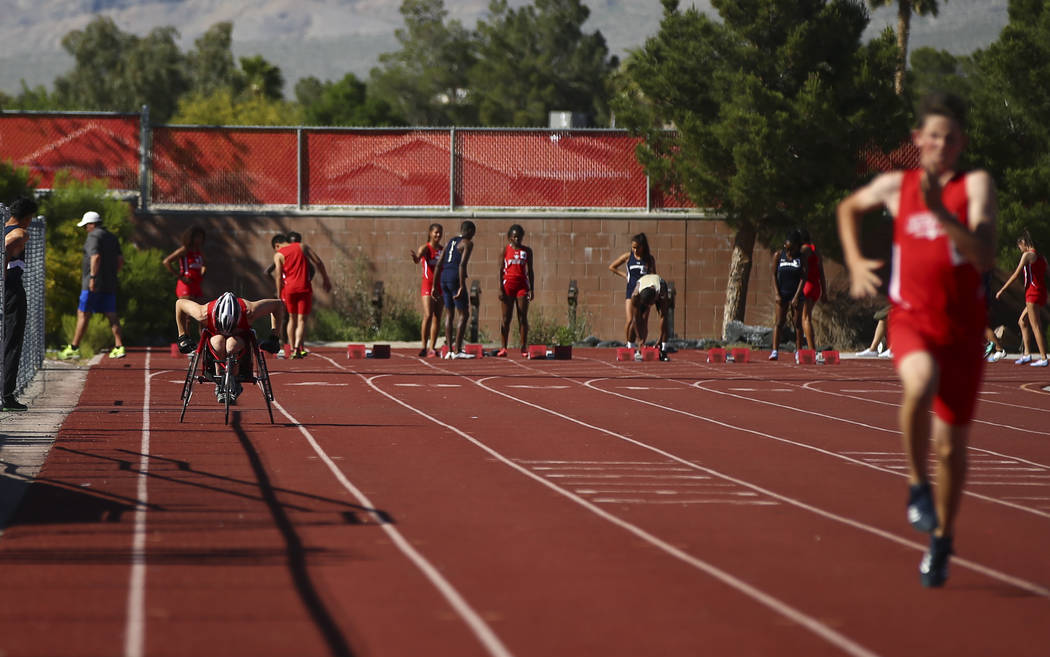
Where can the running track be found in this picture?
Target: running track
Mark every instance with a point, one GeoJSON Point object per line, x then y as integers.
{"type": "Point", "coordinates": [502, 507]}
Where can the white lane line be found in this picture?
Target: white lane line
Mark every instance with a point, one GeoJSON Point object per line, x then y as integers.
{"type": "Point", "coordinates": [760, 389]}
{"type": "Point", "coordinates": [540, 468]}
{"type": "Point", "coordinates": [966, 563]}
{"type": "Point", "coordinates": [317, 383]}
{"type": "Point", "coordinates": [481, 630]}
{"type": "Point", "coordinates": [626, 476]}
{"type": "Point", "coordinates": [812, 624]}
{"type": "Point", "coordinates": [599, 462]}
{"type": "Point", "coordinates": [135, 624]}
{"type": "Point", "coordinates": [631, 500]}
{"type": "Point", "coordinates": [540, 387]}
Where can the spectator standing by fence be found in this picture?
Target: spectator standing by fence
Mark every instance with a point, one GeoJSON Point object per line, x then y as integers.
{"type": "Point", "coordinates": [16, 236]}
{"type": "Point", "coordinates": [187, 264]}
{"type": "Point", "coordinates": [103, 260]}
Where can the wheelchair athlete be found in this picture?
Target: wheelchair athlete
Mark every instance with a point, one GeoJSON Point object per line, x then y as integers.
{"type": "Point", "coordinates": [227, 323]}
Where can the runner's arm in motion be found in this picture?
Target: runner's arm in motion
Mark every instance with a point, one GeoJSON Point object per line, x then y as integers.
{"type": "Point", "coordinates": [278, 272]}
{"type": "Point", "coordinates": [1025, 259]}
{"type": "Point", "coordinates": [319, 266]}
{"type": "Point", "coordinates": [973, 235]}
{"type": "Point", "coordinates": [882, 192]}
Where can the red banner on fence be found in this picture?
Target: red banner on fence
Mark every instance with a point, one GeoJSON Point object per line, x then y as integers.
{"type": "Point", "coordinates": [87, 146]}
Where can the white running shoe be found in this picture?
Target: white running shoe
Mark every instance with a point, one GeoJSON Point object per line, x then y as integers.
{"type": "Point", "coordinates": [464, 354]}
{"type": "Point", "coordinates": [774, 355]}
{"type": "Point", "coordinates": [638, 355]}
{"type": "Point", "coordinates": [1042, 362]}
{"type": "Point", "coordinates": [867, 353]}
{"type": "Point", "coordinates": [997, 356]}
{"type": "Point", "coordinates": [1027, 358]}
{"type": "Point", "coordinates": [450, 355]}
{"type": "Point", "coordinates": [886, 354]}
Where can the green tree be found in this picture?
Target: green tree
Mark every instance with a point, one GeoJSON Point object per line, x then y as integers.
{"type": "Point", "coordinates": [343, 103]}
{"type": "Point", "coordinates": [905, 8]}
{"type": "Point", "coordinates": [1010, 123]}
{"type": "Point", "coordinates": [210, 64]}
{"type": "Point", "coordinates": [222, 107]}
{"type": "Point", "coordinates": [939, 70]}
{"type": "Point", "coordinates": [261, 78]}
{"type": "Point", "coordinates": [118, 71]}
{"type": "Point", "coordinates": [426, 81]}
{"type": "Point", "coordinates": [770, 109]}
{"type": "Point", "coordinates": [536, 59]}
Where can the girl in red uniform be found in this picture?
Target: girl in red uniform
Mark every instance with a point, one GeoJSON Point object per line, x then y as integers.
{"type": "Point", "coordinates": [1033, 266]}
{"type": "Point", "coordinates": [187, 264]}
{"type": "Point", "coordinates": [427, 255]}
{"type": "Point", "coordinates": [814, 287]}
{"type": "Point", "coordinates": [515, 288]}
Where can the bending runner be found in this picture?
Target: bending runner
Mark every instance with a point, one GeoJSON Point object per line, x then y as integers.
{"type": "Point", "coordinates": [651, 290]}
{"type": "Point", "coordinates": [229, 319]}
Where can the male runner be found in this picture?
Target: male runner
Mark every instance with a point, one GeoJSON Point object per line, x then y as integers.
{"type": "Point", "coordinates": [291, 275]}
{"type": "Point", "coordinates": [229, 319]}
{"type": "Point", "coordinates": [944, 237]}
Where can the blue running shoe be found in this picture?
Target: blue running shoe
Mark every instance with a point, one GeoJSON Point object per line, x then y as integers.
{"type": "Point", "coordinates": [933, 569]}
{"type": "Point", "coordinates": [921, 513]}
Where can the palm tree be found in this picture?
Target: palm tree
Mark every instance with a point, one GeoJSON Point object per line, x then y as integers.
{"type": "Point", "coordinates": [905, 8]}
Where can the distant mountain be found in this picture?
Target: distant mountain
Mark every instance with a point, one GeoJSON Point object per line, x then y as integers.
{"type": "Point", "coordinates": [328, 38]}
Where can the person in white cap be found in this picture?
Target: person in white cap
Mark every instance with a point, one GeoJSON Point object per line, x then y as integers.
{"type": "Point", "coordinates": [98, 290]}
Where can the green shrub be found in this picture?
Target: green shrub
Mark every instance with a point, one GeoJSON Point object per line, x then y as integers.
{"type": "Point", "coordinates": [143, 303]}
{"type": "Point", "coordinates": [544, 330]}
{"type": "Point", "coordinates": [97, 336]}
{"type": "Point", "coordinates": [353, 318]}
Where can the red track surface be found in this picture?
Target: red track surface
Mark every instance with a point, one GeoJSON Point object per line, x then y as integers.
{"type": "Point", "coordinates": [506, 507]}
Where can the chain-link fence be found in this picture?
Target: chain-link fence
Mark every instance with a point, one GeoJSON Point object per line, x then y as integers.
{"type": "Point", "coordinates": [33, 280]}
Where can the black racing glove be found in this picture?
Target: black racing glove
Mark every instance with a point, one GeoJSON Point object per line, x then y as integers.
{"type": "Point", "coordinates": [186, 344]}
{"type": "Point", "coordinates": [271, 344]}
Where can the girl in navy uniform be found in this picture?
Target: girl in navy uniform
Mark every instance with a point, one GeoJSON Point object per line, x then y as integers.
{"type": "Point", "coordinates": [789, 277]}
{"type": "Point", "coordinates": [640, 262]}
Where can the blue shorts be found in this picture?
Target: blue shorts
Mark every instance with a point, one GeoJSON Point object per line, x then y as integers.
{"type": "Point", "coordinates": [448, 292]}
{"type": "Point", "coordinates": [630, 287]}
{"type": "Point", "coordinates": [97, 302]}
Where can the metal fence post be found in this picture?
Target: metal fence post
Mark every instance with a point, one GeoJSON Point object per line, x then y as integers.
{"type": "Point", "coordinates": [299, 167]}
{"type": "Point", "coordinates": [452, 170]}
{"type": "Point", "coordinates": [145, 148]}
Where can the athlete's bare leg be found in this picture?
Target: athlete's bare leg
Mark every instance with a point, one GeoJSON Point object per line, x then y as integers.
{"type": "Point", "coordinates": [778, 321]}
{"type": "Point", "coordinates": [506, 310]}
{"type": "Point", "coordinates": [523, 321]}
{"type": "Point", "coordinates": [807, 321]}
{"type": "Point", "coordinates": [461, 329]}
{"type": "Point", "coordinates": [919, 376]}
{"type": "Point", "coordinates": [950, 444]}
{"type": "Point", "coordinates": [628, 327]}
{"type": "Point", "coordinates": [1037, 329]}
{"type": "Point", "coordinates": [436, 306]}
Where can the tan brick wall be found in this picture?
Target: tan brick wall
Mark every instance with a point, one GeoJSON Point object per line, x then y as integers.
{"type": "Point", "coordinates": [693, 253]}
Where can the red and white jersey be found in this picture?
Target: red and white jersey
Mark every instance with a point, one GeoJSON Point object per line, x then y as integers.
{"type": "Point", "coordinates": [515, 263]}
{"type": "Point", "coordinates": [429, 263]}
{"type": "Point", "coordinates": [243, 325]}
{"type": "Point", "coordinates": [931, 281]}
{"type": "Point", "coordinates": [191, 264]}
{"type": "Point", "coordinates": [1035, 279]}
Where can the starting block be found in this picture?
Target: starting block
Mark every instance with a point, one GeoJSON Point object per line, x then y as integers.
{"type": "Point", "coordinates": [380, 351]}
{"type": "Point", "coordinates": [831, 357]}
{"type": "Point", "coordinates": [741, 355]}
{"type": "Point", "coordinates": [444, 350]}
{"type": "Point", "coordinates": [624, 354]}
{"type": "Point", "coordinates": [563, 352]}
{"type": "Point", "coordinates": [287, 349]}
{"type": "Point", "coordinates": [716, 355]}
{"type": "Point", "coordinates": [476, 349]}
{"type": "Point", "coordinates": [537, 352]}
{"type": "Point", "coordinates": [805, 357]}
{"type": "Point", "coordinates": [355, 351]}
{"type": "Point", "coordinates": [175, 353]}
{"type": "Point", "coordinates": [650, 353]}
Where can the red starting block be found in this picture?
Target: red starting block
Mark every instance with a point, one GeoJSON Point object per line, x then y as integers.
{"type": "Point", "coordinates": [287, 349]}
{"type": "Point", "coordinates": [650, 353]}
{"type": "Point", "coordinates": [380, 351]}
{"type": "Point", "coordinates": [716, 355]}
{"type": "Point", "coordinates": [741, 355]}
{"type": "Point", "coordinates": [563, 352]}
{"type": "Point", "coordinates": [175, 353]}
{"type": "Point", "coordinates": [537, 352]}
{"type": "Point", "coordinates": [805, 356]}
{"type": "Point", "coordinates": [476, 349]}
{"type": "Point", "coordinates": [355, 351]}
{"type": "Point", "coordinates": [444, 350]}
{"type": "Point", "coordinates": [831, 357]}
{"type": "Point", "coordinates": [624, 354]}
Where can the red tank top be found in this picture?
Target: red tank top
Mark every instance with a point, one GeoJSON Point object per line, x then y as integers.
{"type": "Point", "coordinates": [190, 265]}
{"type": "Point", "coordinates": [1035, 278]}
{"type": "Point", "coordinates": [296, 273]}
{"type": "Point", "coordinates": [515, 263]}
{"type": "Point", "coordinates": [243, 325]}
{"type": "Point", "coordinates": [931, 282]}
{"type": "Point", "coordinates": [813, 266]}
{"type": "Point", "coordinates": [429, 262]}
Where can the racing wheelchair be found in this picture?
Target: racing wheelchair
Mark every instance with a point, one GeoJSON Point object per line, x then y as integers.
{"type": "Point", "coordinates": [250, 368]}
